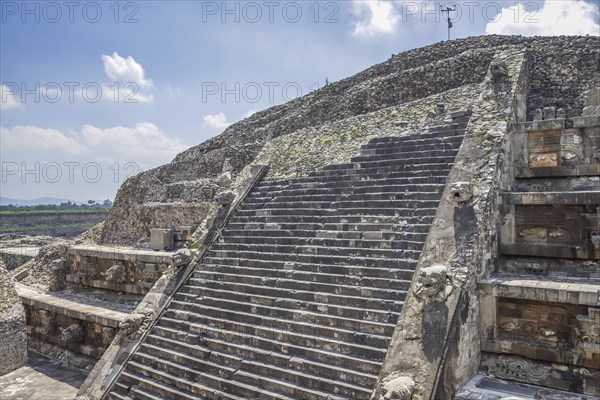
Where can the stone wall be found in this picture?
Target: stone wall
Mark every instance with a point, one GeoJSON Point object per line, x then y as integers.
{"type": "Point", "coordinates": [13, 340]}
{"type": "Point", "coordinates": [48, 223]}
{"type": "Point", "coordinates": [562, 69]}
{"type": "Point", "coordinates": [436, 344]}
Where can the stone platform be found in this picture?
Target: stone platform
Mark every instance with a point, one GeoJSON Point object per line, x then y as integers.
{"type": "Point", "coordinates": [41, 379]}
{"type": "Point", "coordinates": [483, 387]}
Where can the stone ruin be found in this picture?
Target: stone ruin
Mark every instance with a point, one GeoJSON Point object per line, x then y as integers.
{"type": "Point", "coordinates": [425, 229]}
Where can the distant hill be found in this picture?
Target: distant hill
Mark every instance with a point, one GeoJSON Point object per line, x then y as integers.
{"type": "Point", "coordinates": [5, 201]}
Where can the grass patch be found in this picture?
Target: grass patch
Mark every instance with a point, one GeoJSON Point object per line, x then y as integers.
{"type": "Point", "coordinates": [13, 229]}
{"type": "Point", "coordinates": [37, 212]}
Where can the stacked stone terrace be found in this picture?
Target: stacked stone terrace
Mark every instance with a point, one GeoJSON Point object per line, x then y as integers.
{"type": "Point", "coordinates": [300, 295]}
{"type": "Point", "coordinates": [541, 308]}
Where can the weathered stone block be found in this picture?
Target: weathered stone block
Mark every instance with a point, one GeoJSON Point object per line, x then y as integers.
{"type": "Point", "coordinates": [161, 239]}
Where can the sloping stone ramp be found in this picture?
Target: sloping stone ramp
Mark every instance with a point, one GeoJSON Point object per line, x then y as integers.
{"type": "Point", "coordinates": [299, 297]}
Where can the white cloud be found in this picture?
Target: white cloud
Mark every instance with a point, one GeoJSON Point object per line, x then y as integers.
{"type": "Point", "coordinates": [129, 78]}
{"type": "Point", "coordinates": [374, 17]}
{"type": "Point", "coordinates": [127, 69]}
{"type": "Point", "coordinates": [553, 18]}
{"type": "Point", "coordinates": [215, 121]}
{"type": "Point", "coordinates": [25, 137]}
{"type": "Point", "coordinates": [144, 144]}
{"type": "Point", "coordinates": [248, 113]}
{"type": "Point", "coordinates": [8, 99]}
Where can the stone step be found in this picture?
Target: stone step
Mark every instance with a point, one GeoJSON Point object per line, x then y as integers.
{"type": "Point", "coordinates": [243, 342]}
{"type": "Point", "coordinates": [298, 392]}
{"type": "Point", "coordinates": [347, 197]}
{"type": "Point", "coordinates": [400, 161]}
{"type": "Point", "coordinates": [174, 359]}
{"type": "Point", "coordinates": [234, 354]}
{"type": "Point", "coordinates": [225, 390]}
{"type": "Point", "coordinates": [389, 298]}
{"type": "Point", "coordinates": [406, 142]}
{"type": "Point", "coordinates": [413, 148]}
{"type": "Point", "coordinates": [359, 278]}
{"type": "Point", "coordinates": [394, 243]}
{"type": "Point", "coordinates": [335, 184]}
{"type": "Point", "coordinates": [341, 305]}
{"type": "Point", "coordinates": [229, 250]}
{"type": "Point", "coordinates": [339, 212]}
{"type": "Point", "coordinates": [369, 321]}
{"type": "Point", "coordinates": [224, 327]}
{"type": "Point", "coordinates": [334, 219]}
{"type": "Point", "coordinates": [218, 368]}
{"type": "Point", "coordinates": [344, 204]}
{"type": "Point", "coordinates": [166, 386]}
{"type": "Point", "coordinates": [419, 154]}
{"type": "Point", "coordinates": [315, 258]}
{"type": "Point", "coordinates": [430, 137]}
{"type": "Point", "coordinates": [117, 396]}
{"type": "Point", "coordinates": [362, 319]}
{"type": "Point", "coordinates": [138, 393]}
{"type": "Point", "coordinates": [264, 373]}
{"type": "Point", "coordinates": [376, 233]}
{"type": "Point", "coordinates": [432, 168]}
{"type": "Point", "coordinates": [322, 229]}
{"type": "Point", "coordinates": [350, 188]}
{"type": "Point", "coordinates": [402, 271]}
{"type": "Point", "coordinates": [368, 184]}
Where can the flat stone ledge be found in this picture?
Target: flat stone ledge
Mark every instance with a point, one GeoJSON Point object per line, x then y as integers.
{"type": "Point", "coordinates": [553, 197]}
{"type": "Point", "coordinates": [482, 387]}
{"type": "Point", "coordinates": [586, 122]}
{"type": "Point", "coordinates": [84, 312]}
{"type": "Point", "coordinates": [122, 253]}
{"type": "Point", "coordinates": [550, 250]}
{"type": "Point", "coordinates": [551, 172]}
{"type": "Point", "coordinates": [554, 291]}
{"type": "Point", "coordinates": [545, 125]}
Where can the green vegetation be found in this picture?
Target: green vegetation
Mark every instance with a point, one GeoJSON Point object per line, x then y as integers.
{"type": "Point", "coordinates": [12, 229]}
{"type": "Point", "coordinates": [66, 208]}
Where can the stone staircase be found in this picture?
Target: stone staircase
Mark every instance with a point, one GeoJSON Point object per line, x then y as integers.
{"type": "Point", "coordinates": [299, 296]}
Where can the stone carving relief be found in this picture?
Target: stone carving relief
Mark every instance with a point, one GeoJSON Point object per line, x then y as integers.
{"type": "Point", "coordinates": [47, 323]}
{"type": "Point", "coordinates": [182, 257]}
{"type": "Point", "coordinates": [225, 197]}
{"type": "Point", "coordinates": [518, 368]}
{"type": "Point", "coordinates": [530, 267]}
{"type": "Point", "coordinates": [543, 160]}
{"type": "Point", "coordinates": [459, 193]}
{"type": "Point", "coordinates": [72, 334]}
{"type": "Point", "coordinates": [433, 283]}
{"type": "Point", "coordinates": [571, 148]}
{"type": "Point", "coordinates": [116, 274]}
{"type": "Point", "coordinates": [498, 69]}
{"type": "Point", "coordinates": [588, 331]}
{"type": "Point", "coordinates": [135, 323]}
{"type": "Point", "coordinates": [594, 227]}
{"type": "Point", "coordinates": [395, 387]}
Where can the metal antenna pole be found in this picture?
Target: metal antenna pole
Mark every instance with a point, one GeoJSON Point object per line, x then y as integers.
{"type": "Point", "coordinates": [447, 10]}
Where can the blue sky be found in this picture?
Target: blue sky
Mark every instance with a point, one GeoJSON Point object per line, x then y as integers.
{"type": "Point", "coordinates": [94, 91]}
